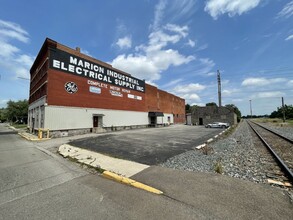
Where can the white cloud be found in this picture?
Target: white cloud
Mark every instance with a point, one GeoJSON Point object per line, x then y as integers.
{"type": "Point", "coordinates": [159, 12]}
{"type": "Point", "coordinates": [202, 47]}
{"type": "Point", "coordinates": [3, 103]}
{"type": "Point", "coordinates": [183, 31]}
{"type": "Point", "coordinates": [204, 66]}
{"type": "Point", "coordinates": [228, 92]}
{"type": "Point", "coordinates": [177, 10]}
{"type": "Point", "coordinates": [191, 97]}
{"type": "Point", "coordinates": [86, 52]}
{"type": "Point", "coordinates": [268, 94]}
{"type": "Point", "coordinates": [150, 59]}
{"type": "Point", "coordinates": [189, 88]}
{"type": "Point", "coordinates": [153, 58]}
{"type": "Point", "coordinates": [173, 11]}
{"type": "Point", "coordinates": [237, 100]}
{"type": "Point", "coordinates": [211, 74]}
{"type": "Point", "coordinates": [124, 42]}
{"type": "Point", "coordinates": [191, 43]}
{"type": "Point", "coordinates": [289, 37]}
{"type": "Point", "coordinates": [172, 83]}
{"type": "Point", "coordinates": [151, 83]}
{"type": "Point", "coordinates": [290, 83]}
{"type": "Point", "coordinates": [10, 30]}
{"type": "Point", "coordinates": [232, 7]}
{"type": "Point", "coordinates": [189, 91]}
{"type": "Point", "coordinates": [139, 66]}
{"type": "Point", "coordinates": [7, 50]}
{"type": "Point", "coordinates": [261, 81]}
{"type": "Point", "coordinates": [287, 11]}
{"type": "Point", "coordinates": [25, 60]}
{"type": "Point", "coordinates": [12, 61]}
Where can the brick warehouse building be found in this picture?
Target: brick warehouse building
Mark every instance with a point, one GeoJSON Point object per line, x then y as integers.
{"type": "Point", "coordinates": [72, 93]}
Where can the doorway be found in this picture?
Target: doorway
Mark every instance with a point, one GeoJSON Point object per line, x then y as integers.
{"type": "Point", "coordinates": [153, 121]}
{"type": "Point", "coordinates": [200, 121]}
{"type": "Point", "coordinates": [95, 121]}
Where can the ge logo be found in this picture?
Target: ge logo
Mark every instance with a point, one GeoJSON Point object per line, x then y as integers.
{"type": "Point", "coordinates": [70, 87]}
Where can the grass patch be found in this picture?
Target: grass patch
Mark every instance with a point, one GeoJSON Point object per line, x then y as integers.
{"type": "Point", "coordinates": [207, 150]}
{"type": "Point", "coordinates": [98, 169]}
{"type": "Point", "coordinates": [218, 167]}
{"type": "Point", "coordinates": [275, 121]}
{"type": "Point", "coordinates": [230, 131]}
{"type": "Point", "coordinates": [19, 125]}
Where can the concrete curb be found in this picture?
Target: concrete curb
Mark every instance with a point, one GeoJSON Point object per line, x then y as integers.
{"type": "Point", "coordinates": [27, 137]}
{"type": "Point", "coordinates": [106, 163]}
{"type": "Point", "coordinates": [130, 182]}
{"type": "Point", "coordinates": [212, 139]}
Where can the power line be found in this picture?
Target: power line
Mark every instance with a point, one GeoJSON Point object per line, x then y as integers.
{"type": "Point", "coordinates": [288, 69]}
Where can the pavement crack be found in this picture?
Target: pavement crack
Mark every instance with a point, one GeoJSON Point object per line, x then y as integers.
{"type": "Point", "coordinates": [179, 201]}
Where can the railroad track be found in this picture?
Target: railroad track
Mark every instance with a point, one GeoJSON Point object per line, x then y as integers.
{"type": "Point", "coordinates": [278, 158]}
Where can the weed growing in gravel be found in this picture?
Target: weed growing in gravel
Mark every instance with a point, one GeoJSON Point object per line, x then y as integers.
{"type": "Point", "coordinates": [230, 131]}
{"type": "Point", "coordinates": [207, 150]}
{"type": "Point", "coordinates": [218, 167]}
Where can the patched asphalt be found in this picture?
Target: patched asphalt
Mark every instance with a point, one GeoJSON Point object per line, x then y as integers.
{"type": "Point", "coordinates": [149, 146]}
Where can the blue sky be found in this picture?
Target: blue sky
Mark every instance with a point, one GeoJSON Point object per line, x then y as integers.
{"type": "Point", "coordinates": [177, 45]}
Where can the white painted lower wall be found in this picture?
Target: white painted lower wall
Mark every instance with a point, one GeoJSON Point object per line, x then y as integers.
{"type": "Point", "coordinates": [69, 118]}
{"type": "Point", "coordinates": [167, 118]}
{"type": "Point", "coordinates": [36, 113]}
{"type": "Point", "coordinates": [62, 118]}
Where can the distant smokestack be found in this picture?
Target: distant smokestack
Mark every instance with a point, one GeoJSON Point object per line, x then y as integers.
{"type": "Point", "coordinates": [78, 49]}
{"type": "Point", "coordinates": [219, 89]}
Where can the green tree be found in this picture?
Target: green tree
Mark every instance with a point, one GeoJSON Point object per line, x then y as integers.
{"type": "Point", "coordinates": [187, 108]}
{"type": "Point", "coordinates": [236, 110]}
{"type": "Point", "coordinates": [17, 111]}
{"type": "Point", "coordinates": [279, 112]}
{"type": "Point", "coordinates": [3, 115]}
{"type": "Point", "coordinates": [211, 104]}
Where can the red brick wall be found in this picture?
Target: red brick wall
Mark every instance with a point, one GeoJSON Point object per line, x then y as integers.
{"type": "Point", "coordinates": [57, 95]}
{"type": "Point", "coordinates": [38, 86]}
{"type": "Point", "coordinates": [153, 99]}
{"type": "Point", "coordinates": [161, 101]}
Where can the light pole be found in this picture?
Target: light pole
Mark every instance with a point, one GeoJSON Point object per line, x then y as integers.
{"type": "Point", "coordinates": [250, 109]}
{"type": "Point", "coordinates": [283, 110]}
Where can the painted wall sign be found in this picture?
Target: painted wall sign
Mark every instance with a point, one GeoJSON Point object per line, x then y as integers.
{"type": "Point", "coordinates": [116, 93]}
{"type": "Point", "coordinates": [94, 89]}
{"type": "Point", "coordinates": [66, 62]}
{"type": "Point", "coordinates": [131, 96]}
{"type": "Point", "coordinates": [70, 87]}
{"type": "Point", "coordinates": [98, 84]}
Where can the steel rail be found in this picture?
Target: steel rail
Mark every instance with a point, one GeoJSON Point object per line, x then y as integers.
{"type": "Point", "coordinates": [279, 160]}
{"type": "Point", "coordinates": [281, 136]}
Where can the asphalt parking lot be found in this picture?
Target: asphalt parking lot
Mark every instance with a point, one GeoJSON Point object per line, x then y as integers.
{"type": "Point", "coordinates": [149, 146]}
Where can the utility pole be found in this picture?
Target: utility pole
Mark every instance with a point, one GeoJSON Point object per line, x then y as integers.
{"type": "Point", "coordinates": [283, 110]}
{"type": "Point", "coordinates": [250, 109]}
{"type": "Point", "coordinates": [219, 88]}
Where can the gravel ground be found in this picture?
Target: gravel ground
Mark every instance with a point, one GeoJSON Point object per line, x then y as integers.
{"type": "Point", "coordinates": [234, 156]}
{"type": "Point", "coordinates": [283, 130]}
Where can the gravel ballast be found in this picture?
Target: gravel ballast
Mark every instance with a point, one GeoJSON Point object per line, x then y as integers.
{"type": "Point", "coordinates": [235, 156]}
{"type": "Point", "coordinates": [283, 130]}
